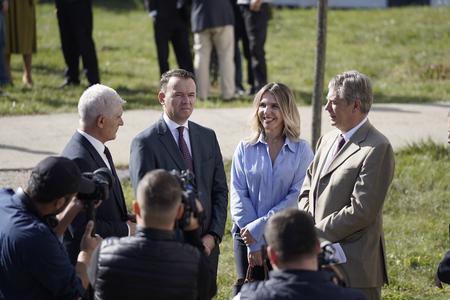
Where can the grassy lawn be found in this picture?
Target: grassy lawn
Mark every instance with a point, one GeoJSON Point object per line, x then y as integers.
{"type": "Point", "coordinates": [404, 50]}
{"type": "Point", "coordinates": [416, 221]}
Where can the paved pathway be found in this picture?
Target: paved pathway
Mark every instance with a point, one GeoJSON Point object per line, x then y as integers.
{"type": "Point", "coordinates": [25, 140]}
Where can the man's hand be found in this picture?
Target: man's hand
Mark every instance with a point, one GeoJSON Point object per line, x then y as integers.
{"type": "Point", "coordinates": [247, 237]}
{"type": "Point", "coordinates": [193, 221]}
{"type": "Point", "coordinates": [255, 258]}
{"type": "Point", "coordinates": [255, 5]}
{"type": "Point", "coordinates": [209, 243]}
{"type": "Point", "coordinates": [131, 228]}
{"type": "Point", "coordinates": [88, 242]}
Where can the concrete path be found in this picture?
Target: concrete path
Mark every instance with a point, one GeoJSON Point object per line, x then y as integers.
{"type": "Point", "coordinates": [25, 140]}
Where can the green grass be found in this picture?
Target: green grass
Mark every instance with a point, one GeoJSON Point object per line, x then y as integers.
{"type": "Point", "coordinates": [416, 217]}
{"type": "Point", "coordinates": [404, 51]}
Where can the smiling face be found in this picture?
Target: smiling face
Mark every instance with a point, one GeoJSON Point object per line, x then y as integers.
{"type": "Point", "coordinates": [269, 115]}
{"type": "Point", "coordinates": [178, 98]}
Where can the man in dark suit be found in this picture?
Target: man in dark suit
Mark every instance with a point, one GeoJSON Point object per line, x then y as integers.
{"type": "Point", "coordinates": [75, 29]}
{"type": "Point", "coordinates": [100, 110]}
{"type": "Point", "coordinates": [173, 142]}
{"type": "Point", "coordinates": [171, 24]}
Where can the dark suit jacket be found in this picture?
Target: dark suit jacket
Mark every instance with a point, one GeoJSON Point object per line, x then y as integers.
{"type": "Point", "coordinates": [111, 215]}
{"type": "Point", "coordinates": [347, 200]}
{"type": "Point", "coordinates": [206, 14]}
{"type": "Point", "coordinates": [168, 10]}
{"type": "Point", "coordinates": [444, 269]}
{"type": "Point", "coordinates": [155, 148]}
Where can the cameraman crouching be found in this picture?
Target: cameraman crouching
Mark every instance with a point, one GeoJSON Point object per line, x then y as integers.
{"type": "Point", "coordinates": [33, 262]}
{"type": "Point", "coordinates": [153, 264]}
{"type": "Point", "coordinates": [293, 249]}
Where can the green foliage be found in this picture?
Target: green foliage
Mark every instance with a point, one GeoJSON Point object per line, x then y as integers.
{"type": "Point", "coordinates": [416, 220]}
{"type": "Point", "coordinates": [404, 50]}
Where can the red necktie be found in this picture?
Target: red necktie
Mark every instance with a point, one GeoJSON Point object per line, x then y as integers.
{"type": "Point", "coordinates": [184, 149]}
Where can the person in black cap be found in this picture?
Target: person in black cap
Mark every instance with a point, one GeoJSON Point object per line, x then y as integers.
{"type": "Point", "coordinates": [33, 261]}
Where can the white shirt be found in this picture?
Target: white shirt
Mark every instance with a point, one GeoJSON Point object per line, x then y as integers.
{"type": "Point", "coordinates": [173, 127]}
{"type": "Point", "coordinates": [98, 146]}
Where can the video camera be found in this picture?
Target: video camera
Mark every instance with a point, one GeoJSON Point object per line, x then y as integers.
{"type": "Point", "coordinates": [102, 180]}
{"type": "Point", "coordinates": [188, 197]}
{"type": "Point", "coordinates": [327, 260]}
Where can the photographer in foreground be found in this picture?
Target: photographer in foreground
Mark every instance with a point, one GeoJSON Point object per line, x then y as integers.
{"type": "Point", "coordinates": [153, 264]}
{"type": "Point", "coordinates": [33, 262]}
{"type": "Point", "coordinates": [293, 250]}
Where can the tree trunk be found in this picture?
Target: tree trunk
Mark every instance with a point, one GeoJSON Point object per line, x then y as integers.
{"type": "Point", "coordinates": [321, 45]}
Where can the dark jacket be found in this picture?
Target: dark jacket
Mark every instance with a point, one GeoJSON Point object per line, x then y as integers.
{"type": "Point", "coordinates": [298, 284]}
{"type": "Point", "coordinates": [207, 14]}
{"type": "Point", "coordinates": [444, 269]}
{"type": "Point", "coordinates": [151, 265]}
{"type": "Point", "coordinates": [111, 215]}
{"type": "Point", "coordinates": [33, 262]}
{"type": "Point", "coordinates": [155, 148]}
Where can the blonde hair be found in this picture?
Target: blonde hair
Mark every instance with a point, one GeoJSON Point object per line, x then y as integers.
{"type": "Point", "coordinates": [288, 108]}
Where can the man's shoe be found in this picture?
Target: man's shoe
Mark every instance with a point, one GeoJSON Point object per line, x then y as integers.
{"type": "Point", "coordinates": [69, 83]}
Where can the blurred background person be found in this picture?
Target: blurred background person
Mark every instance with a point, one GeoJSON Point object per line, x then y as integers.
{"type": "Point", "coordinates": [75, 22]}
{"type": "Point", "coordinates": [171, 24]}
{"type": "Point", "coordinates": [267, 172]}
{"type": "Point", "coordinates": [241, 35]}
{"type": "Point", "coordinates": [20, 24]}
{"type": "Point", "coordinates": [256, 15]}
{"type": "Point", "coordinates": [212, 25]}
{"type": "Point", "coordinates": [3, 10]}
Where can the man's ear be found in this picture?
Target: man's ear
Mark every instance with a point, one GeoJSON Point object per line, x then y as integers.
{"type": "Point", "coordinates": [180, 211]}
{"type": "Point", "coordinates": [100, 121]}
{"type": "Point", "coordinates": [317, 247]}
{"type": "Point", "coordinates": [273, 257]}
{"type": "Point", "coordinates": [161, 97]}
{"type": "Point", "coordinates": [357, 105]}
{"type": "Point", "coordinates": [136, 208]}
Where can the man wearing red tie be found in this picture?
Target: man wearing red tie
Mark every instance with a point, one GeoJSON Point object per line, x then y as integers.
{"type": "Point", "coordinates": [175, 143]}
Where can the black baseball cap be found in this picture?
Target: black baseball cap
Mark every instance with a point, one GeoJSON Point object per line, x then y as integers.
{"type": "Point", "coordinates": [57, 176]}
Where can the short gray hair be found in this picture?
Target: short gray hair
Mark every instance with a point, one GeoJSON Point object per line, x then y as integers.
{"type": "Point", "coordinates": [351, 86]}
{"type": "Point", "coordinates": [97, 100]}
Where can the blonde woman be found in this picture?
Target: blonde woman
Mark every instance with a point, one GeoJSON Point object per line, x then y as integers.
{"type": "Point", "coordinates": [267, 171]}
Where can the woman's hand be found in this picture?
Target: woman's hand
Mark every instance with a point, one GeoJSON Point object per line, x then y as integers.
{"type": "Point", "coordinates": [247, 237]}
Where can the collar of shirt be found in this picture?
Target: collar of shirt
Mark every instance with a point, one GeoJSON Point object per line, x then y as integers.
{"type": "Point", "coordinates": [348, 135]}
{"type": "Point", "coordinates": [98, 146]}
{"type": "Point", "coordinates": [287, 142]}
{"type": "Point", "coordinates": [173, 127]}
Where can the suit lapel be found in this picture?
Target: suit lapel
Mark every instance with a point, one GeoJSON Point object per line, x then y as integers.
{"type": "Point", "coordinates": [350, 147]}
{"type": "Point", "coordinates": [94, 154]}
{"type": "Point", "coordinates": [166, 138]}
{"type": "Point", "coordinates": [116, 188]}
{"type": "Point", "coordinates": [194, 137]}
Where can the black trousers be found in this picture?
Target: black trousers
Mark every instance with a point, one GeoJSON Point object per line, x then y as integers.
{"type": "Point", "coordinates": [256, 27]}
{"type": "Point", "coordinates": [75, 23]}
{"type": "Point", "coordinates": [176, 31]}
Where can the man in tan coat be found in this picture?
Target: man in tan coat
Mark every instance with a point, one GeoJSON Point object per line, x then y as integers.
{"type": "Point", "coordinates": [346, 184]}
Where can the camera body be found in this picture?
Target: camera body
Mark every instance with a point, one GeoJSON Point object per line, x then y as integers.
{"type": "Point", "coordinates": [186, 180]}
{"type": "Point", "coordinates": [102, 179]}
